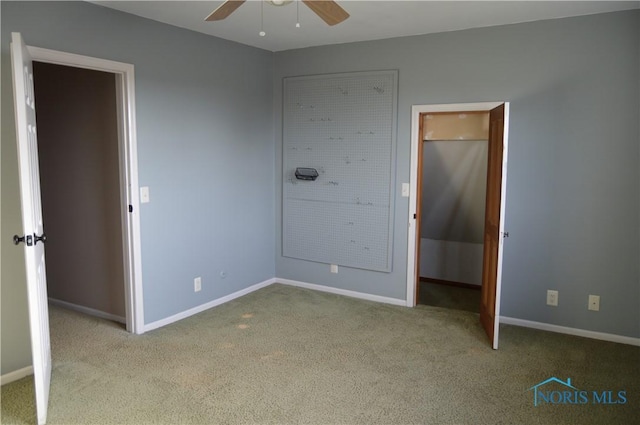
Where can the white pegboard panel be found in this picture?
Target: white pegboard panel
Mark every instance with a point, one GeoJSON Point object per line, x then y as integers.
{"type": "Point", "coordinates": [343, 125]}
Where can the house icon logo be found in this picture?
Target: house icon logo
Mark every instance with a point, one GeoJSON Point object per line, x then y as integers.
{"type": "Point", "coordinates": [556, 391]}
{"type": "Point", "coordinates": [543, 395]}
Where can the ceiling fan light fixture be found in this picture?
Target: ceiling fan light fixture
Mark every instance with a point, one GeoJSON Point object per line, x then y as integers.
{"type": "Point", "coordinates": [279, 2]}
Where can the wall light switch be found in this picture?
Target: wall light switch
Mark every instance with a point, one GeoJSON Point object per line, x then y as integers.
{"type": "Point", "coordinates": [144, 194]}
{"type": "Point", "coordinates": [334, 268]}
{"type": "Point", "coordinates": [405, 190]}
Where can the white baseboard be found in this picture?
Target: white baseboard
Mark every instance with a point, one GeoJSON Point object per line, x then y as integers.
{"type": "Point", "coordinates": [570, 331]}
{"type": "Point", "coordinates": [88, 310]}
{"type": "Point", "coordinates": [195, 310]}
{"type": "Point", "coordinates": [345, 292]}
{"type": "Point", "coordinates": [15, 375]}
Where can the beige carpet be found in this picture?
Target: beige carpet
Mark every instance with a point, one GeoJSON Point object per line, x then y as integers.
{"type": "Point", "coordinates": [447, 296]}
{"type": "Point", "coordinates": [285, 355]}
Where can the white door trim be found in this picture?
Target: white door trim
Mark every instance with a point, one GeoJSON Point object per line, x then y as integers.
{"type": "Point", "coordinates": [128, 151]}
{"type": "Point", "coordinates": [416, 110]}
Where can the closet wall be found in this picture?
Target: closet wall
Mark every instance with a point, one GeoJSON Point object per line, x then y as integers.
{"type": "Point", "coordinates": [454, 172]}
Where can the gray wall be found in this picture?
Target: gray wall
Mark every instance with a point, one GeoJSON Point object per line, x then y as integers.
{"type": "Point", "coordinates": [204, 119]}
{"type": "Point", "coordinates": [80, 186]}
{"type": "Point", "coordinates": [573, 184]}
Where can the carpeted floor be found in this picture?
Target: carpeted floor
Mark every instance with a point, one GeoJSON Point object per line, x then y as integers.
{"type": "Point", "coordinates": [286, 355]}
{"type": "Point", "coordinates": [447, 296]}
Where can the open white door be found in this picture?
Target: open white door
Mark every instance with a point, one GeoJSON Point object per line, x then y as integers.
{"type": "Point", "coordinates": [33, 231]}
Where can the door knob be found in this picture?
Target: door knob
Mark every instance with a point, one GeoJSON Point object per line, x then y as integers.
{"type": "Point", "coordinates": [26, 239]}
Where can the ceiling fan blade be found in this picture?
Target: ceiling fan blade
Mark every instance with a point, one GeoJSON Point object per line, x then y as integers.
{"type": "Point", "coordinates": [224, 10]}
{"type": "Point", "coordinates": [328, 10]}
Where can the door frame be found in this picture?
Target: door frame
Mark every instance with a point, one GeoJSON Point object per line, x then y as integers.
{"type": "Point", "coordinates": [128, 170]}
{"type": "Point", "coordinates": [413, 237]}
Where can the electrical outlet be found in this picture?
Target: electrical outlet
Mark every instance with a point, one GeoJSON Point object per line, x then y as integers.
{"type": "Point", "coordinates": [197, 284]}
{"type": "Point", "coordinates": [334, 268]}
{"type": "Point", "coordinates": [594, 302]}
{"type": "Point", "coordinates": [552, 298]}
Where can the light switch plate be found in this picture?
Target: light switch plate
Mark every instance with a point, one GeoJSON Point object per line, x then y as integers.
{"type": "Point", "coordinates": [405, 190]}
{"type": "Point", "coordinates": [144, 194]}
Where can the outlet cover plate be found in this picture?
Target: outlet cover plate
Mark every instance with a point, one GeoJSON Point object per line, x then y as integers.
{"type": "Point", "coordinates": [594, 302]}
{"type": "Point", "coordinates": [552, 298]}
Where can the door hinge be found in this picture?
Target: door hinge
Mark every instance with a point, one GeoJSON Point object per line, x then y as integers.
{"type": "Point", "coordinates": [130, 208]}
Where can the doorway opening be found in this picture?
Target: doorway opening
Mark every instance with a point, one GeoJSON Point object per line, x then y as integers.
{"type": "Point", "coordinates": [453, 164]}
{"type": "Point", "coordinates": [79, 179]}
{"type": "Point", "coordinates": [123, 299]}
{"type": "Point", "coordinates": [456, 223]}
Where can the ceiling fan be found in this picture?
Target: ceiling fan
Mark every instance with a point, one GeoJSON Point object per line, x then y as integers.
{"type": "Point", "coordinates": [328, 10]}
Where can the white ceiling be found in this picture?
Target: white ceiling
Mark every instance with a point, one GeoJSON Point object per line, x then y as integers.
{"type": "Point", "coordinates": [370, 20]}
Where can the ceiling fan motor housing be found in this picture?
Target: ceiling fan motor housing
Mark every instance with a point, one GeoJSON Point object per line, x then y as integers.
{"type": "Point", "coordinates": [279, 2]}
